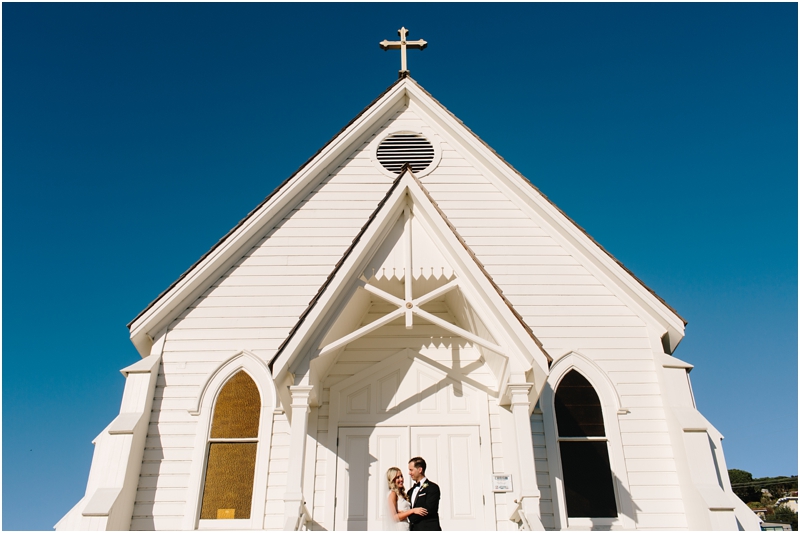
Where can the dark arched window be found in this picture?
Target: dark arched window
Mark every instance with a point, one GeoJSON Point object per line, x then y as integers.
{"type": "Point", "coordinates": [228, 488]}
{"type": "Point", "coordinates": [582, 442]}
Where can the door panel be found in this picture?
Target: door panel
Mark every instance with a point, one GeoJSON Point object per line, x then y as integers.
{"type": "Point", "coordinates": [453, 460]}
{"type": "Point", "coordinates": [365, 454]}
{"type": "Point", "coordinates": [354, 499]}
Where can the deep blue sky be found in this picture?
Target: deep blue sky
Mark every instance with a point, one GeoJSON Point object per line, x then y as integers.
{"type": "Point", "coordinates": [136, 135]}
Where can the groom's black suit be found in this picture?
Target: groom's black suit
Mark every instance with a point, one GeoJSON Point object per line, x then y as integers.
{"type": "Point", "coordinates": [428, 497]}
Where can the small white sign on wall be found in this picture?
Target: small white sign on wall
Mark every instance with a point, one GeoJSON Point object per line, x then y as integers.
{"type": "Point", "coordinates": [501, 483]}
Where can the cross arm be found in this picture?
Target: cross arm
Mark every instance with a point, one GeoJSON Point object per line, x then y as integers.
{"type": "Point", "coordinates": [390, 45]}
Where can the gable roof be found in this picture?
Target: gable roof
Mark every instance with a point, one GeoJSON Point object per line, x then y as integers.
{"type": "Point", "coordinates": [259, 206]}
{"type": "Point", "coordinates": [260, 220]}
{"type": "Point", "coordinates": [544, 196]}
{"type": "Point", "coordinates": [405, 170]}
{"type": "Point", "coordinates": [510, 330]}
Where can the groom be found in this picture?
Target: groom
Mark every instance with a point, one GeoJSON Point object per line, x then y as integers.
{"type": "Point", "coordinates": [424, 493]}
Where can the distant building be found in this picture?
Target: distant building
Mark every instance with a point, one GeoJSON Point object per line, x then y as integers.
{"type": "Point", "coordinates": [788, 501]}
{"type": "Point", "coordinates": [775, 526]}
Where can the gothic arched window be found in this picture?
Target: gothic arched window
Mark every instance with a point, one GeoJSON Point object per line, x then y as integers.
{"type": "Point", "coordinates": [230, 468]}
{"type": "Point", "coordinates": [583, 445]}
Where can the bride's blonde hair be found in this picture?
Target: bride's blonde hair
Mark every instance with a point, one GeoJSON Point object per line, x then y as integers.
{"type": "Point", "coordinates": [391, 474]}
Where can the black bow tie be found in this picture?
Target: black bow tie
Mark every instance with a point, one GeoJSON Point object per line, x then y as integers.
{"type": "Point", "coordinates": [415, 486]}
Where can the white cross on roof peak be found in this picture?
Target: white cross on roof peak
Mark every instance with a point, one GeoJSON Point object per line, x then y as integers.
{"type": "Point", "coordinates": [402, 45]}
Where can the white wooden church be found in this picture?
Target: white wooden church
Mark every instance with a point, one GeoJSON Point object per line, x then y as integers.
{"type": "Point", "coordinates": [406, 292]}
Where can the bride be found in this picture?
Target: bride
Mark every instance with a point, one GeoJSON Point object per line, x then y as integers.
{"type": "Point", "coordinates": [399, 504]}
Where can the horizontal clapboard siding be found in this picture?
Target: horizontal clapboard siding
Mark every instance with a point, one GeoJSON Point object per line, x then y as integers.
{"type": "Point", "coordinates": [536, 273]}
{"type": "Point", "coordinates": [542, 470]}
{"type": "Point", "coordinates": [258, 301]}
{"type": "Point", "coordinates": [278, 466]}
{"type": "Point", "coordinates": [569, 309]}
{"type": "Point", "coordinates": [163, 481]}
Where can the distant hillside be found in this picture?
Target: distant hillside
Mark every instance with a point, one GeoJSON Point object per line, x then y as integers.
{"type": "Point", "coordinates": [763, 493]}
{"type": "Point", "coordinates": [751, 489]}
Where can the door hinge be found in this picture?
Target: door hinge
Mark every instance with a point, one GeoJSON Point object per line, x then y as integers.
{"type": "Point", "coordinates": [480, 440]}
{"type": "Point", "coordinates": [484, 499]}
{"type": "Point", "coordinates": [337, 442]}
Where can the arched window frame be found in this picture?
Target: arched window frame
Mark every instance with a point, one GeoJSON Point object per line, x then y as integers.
{"type": "Point", "coordinates": [203, 408]}
{"type": "Point", "coordinates": [612, 409]}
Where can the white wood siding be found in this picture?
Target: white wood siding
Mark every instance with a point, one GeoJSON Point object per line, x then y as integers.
{"type": "Point", "coordinates": [542, 470]}
{"type": "Point", "coordinates": [163, 481]}
{"type": "Point", "coordinates": [320, 465]}
{"type": "Point", "coordinates": [569, 309]}
{"type": "Point", "coordinates": [278, 466]}
{"type": "Point", "coordinates": [501, 502]}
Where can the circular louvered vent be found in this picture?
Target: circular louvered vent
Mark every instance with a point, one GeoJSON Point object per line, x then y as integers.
{"type": "Point", "coordinates": [400, 148]}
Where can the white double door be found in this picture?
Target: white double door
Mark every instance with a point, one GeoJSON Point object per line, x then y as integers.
{"type": "Point", "coordinates": [365, 454]}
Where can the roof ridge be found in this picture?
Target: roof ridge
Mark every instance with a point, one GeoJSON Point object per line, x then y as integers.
{"type": "Point", "coordinates": [528, 182]}
{"type": "Point", "coordinates": [264, 201]}
{"type": "Point", "coordinates": [337, 267]}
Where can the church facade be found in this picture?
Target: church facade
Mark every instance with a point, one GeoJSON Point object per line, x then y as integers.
{"type": "Point", "coordinates": [407, 293]}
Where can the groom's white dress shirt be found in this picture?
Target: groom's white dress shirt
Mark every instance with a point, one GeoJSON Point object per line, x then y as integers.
{"type": "Point", "coordinates": [416, 490]}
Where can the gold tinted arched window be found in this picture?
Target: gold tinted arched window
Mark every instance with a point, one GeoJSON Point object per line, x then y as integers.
{"type": "Point", "coordinates": [583, 445]}
{"type": "Point", "coordinates": [230, 469]}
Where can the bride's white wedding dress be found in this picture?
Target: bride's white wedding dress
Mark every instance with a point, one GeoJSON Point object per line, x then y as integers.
{"type": "Point", "coordinates": [403, 505]}
{"type": "Point", "coordinates": [388, 523]}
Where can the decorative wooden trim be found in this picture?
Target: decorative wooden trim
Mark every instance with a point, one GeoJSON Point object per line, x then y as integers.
{"type": "Point", "coordinates": [227, 369]}
{"type": "Point", "coordinates": [507, 328]}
